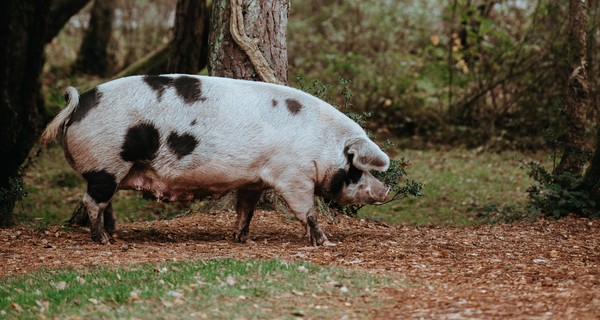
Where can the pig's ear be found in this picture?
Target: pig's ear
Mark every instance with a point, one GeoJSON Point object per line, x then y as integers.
{"type": "Point", "coordinates": [367, 155]}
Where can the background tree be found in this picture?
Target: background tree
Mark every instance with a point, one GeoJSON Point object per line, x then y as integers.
{"type": "Point", "coordinates": [187, 30]}
{"type": "Point", "coordinates": [94, 57]}
{"type": "Point", "coordinates": [22, 39]}
{"type": "Point", "coordinates": [574, 147]}
{"type": "Point", "coordinates": [186, 52]}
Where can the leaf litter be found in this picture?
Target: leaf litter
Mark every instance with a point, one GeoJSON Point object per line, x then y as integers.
{"type": "Point", "coordinates": [541, 269]}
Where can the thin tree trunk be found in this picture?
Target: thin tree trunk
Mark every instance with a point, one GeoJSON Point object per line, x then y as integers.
{"type": "Point", "coordinates": [94, 57]}
{"type": "Point", "coordinates": [574, 151]}
{"type": "Point", "coordinates": [186, 48]}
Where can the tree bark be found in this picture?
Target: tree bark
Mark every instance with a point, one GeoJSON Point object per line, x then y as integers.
{"type": "Point", "coordinates": [186, 48]}
{"type": "Point", "coordinates": [574, 150]}
{"type": "Point", "coordinates": [592, 56]}
{"type": "Point", "coordinates": [263, 21]}
{"type": "Point", "coordinates": [22, 39]}
{"type": "Point", "coordinates": [94, 57]}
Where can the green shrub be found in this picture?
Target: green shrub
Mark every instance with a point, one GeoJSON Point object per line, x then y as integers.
{"type": "Point", "coordinates": [557, 196]}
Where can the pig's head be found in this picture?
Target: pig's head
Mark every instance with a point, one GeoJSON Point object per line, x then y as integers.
{"type": "Point", "coordinates": [354, 184]}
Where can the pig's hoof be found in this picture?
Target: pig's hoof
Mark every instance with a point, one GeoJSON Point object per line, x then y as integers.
{"type": "Point", "coordinates": [101, 237]}
{"type": "Point", "coordinates": [318, 238]}
{"type": "Point", "coordinates": [240, 237]}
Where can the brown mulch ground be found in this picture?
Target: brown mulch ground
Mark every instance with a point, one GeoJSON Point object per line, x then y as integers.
{"type": "Point", "coordinates": [540, 270]}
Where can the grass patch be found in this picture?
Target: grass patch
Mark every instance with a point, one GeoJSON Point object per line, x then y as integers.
{"type": "Point", "coordinates": [221, 288]}
{"type": "Point", "coordinates": [461, 187]}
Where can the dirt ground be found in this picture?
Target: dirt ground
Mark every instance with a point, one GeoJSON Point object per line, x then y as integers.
{"type": "Point", "coordinates": [539, 270]}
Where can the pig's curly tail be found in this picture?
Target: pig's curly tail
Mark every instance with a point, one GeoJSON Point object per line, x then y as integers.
{"type": "Point", "coordinates": [57, 125]}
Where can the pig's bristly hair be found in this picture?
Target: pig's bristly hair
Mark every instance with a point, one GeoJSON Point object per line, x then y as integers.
{"type": "Point", "coordinates": [56, 126]}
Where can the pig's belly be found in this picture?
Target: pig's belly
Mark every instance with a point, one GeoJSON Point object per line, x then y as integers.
{"type": "Point", "coordinates": [184, 187]}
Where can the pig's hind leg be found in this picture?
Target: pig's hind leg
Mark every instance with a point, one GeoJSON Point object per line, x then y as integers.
{"type": "Point", "coordinates": [246, 203]}
{"type": "Point", "coordinates": [102, 185]}
{"type": "Point", "coordinates": [81, 217]}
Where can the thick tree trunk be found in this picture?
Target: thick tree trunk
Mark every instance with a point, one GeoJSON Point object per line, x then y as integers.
{"type": "Point", "coordinates": [574, 151]}
{"type": "Point", "coordinates": [22, 39]}
{"type": "Point", "coordinates": [265, 22]}
{"type": "Point", "coordinates": [186, 48]}
{"type": "Point", "coordinates": [94, 57]}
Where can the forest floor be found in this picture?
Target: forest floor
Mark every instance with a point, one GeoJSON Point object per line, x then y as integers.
{"type": "Point", "coordinates": [533, 270]}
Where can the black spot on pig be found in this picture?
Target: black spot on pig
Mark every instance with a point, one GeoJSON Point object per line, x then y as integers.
{"type": "Point", "coordinates": [293, 105]}
{"type": "Point", "coordinates": [101, 185]}
{"type": "Point", "coordinates": [181, 145]}
{"type": "Point", "coordinates": [158, 84]}
{"type": "Point", "coordinates": [87, 102]}
{"type": "Point", "coordinates": [354, 174]}
{"type": "Point", "coordinates": [189, 89]}
{"type": "Point", "coordinates": [337, 182]}
{"type": "Point", "coordinates": [274, 103]}
{"type": "Point", "coordinates": [141, 143]}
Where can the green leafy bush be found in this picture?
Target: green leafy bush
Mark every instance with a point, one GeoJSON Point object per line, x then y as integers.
{"type": "Point", "coordinates": [557, 196]}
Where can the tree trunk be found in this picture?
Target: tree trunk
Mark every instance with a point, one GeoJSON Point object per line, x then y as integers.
{"type": "Point", "coordinates": [574, 150]}
{"type": "Point", "coordinates": [592, 56]}
{"type": "Point", "coordinates": [94, 57]}
{"type": "Point", "coordinates": [186, 48]}
{"type": "Point", "coordinates": [264, 21]}
{"type": "Point", "coordinates": [22, 39]}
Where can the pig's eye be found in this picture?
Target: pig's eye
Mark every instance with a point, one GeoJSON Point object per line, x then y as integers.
{"type": "Point", "coordinates": [353, 175]}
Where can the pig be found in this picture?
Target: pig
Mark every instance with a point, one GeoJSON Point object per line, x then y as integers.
{"type": "Point", "coordinates": [184, 137]}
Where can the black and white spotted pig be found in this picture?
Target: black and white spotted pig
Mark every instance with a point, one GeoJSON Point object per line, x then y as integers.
{"type": "Point", "coordinates": [183, 137]}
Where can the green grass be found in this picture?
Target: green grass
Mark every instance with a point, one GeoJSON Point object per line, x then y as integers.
{"type": "Point", "coordinates": [222, 288]}
{"type": "Point", "coordinates": [462, 187]}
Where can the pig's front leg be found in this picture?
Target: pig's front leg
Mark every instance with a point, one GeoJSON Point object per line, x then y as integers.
{"type": "Point", "coordinates": [246, 203]}
{"type": "Point", "coordinates": [301, 202]}
{"type": "Point", "coordinates": [315, 234]}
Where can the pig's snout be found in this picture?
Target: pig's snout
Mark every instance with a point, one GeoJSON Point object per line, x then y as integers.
{"type": "Point", "coordinates": [379, 195]}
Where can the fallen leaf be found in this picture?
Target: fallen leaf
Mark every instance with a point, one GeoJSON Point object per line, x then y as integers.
{"type": "Point", "coordinates": [230, 280]}
{"type": "Point", "coordinates": [60, 285]}
{"type": "Point", "coordinates": [16, 306]}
